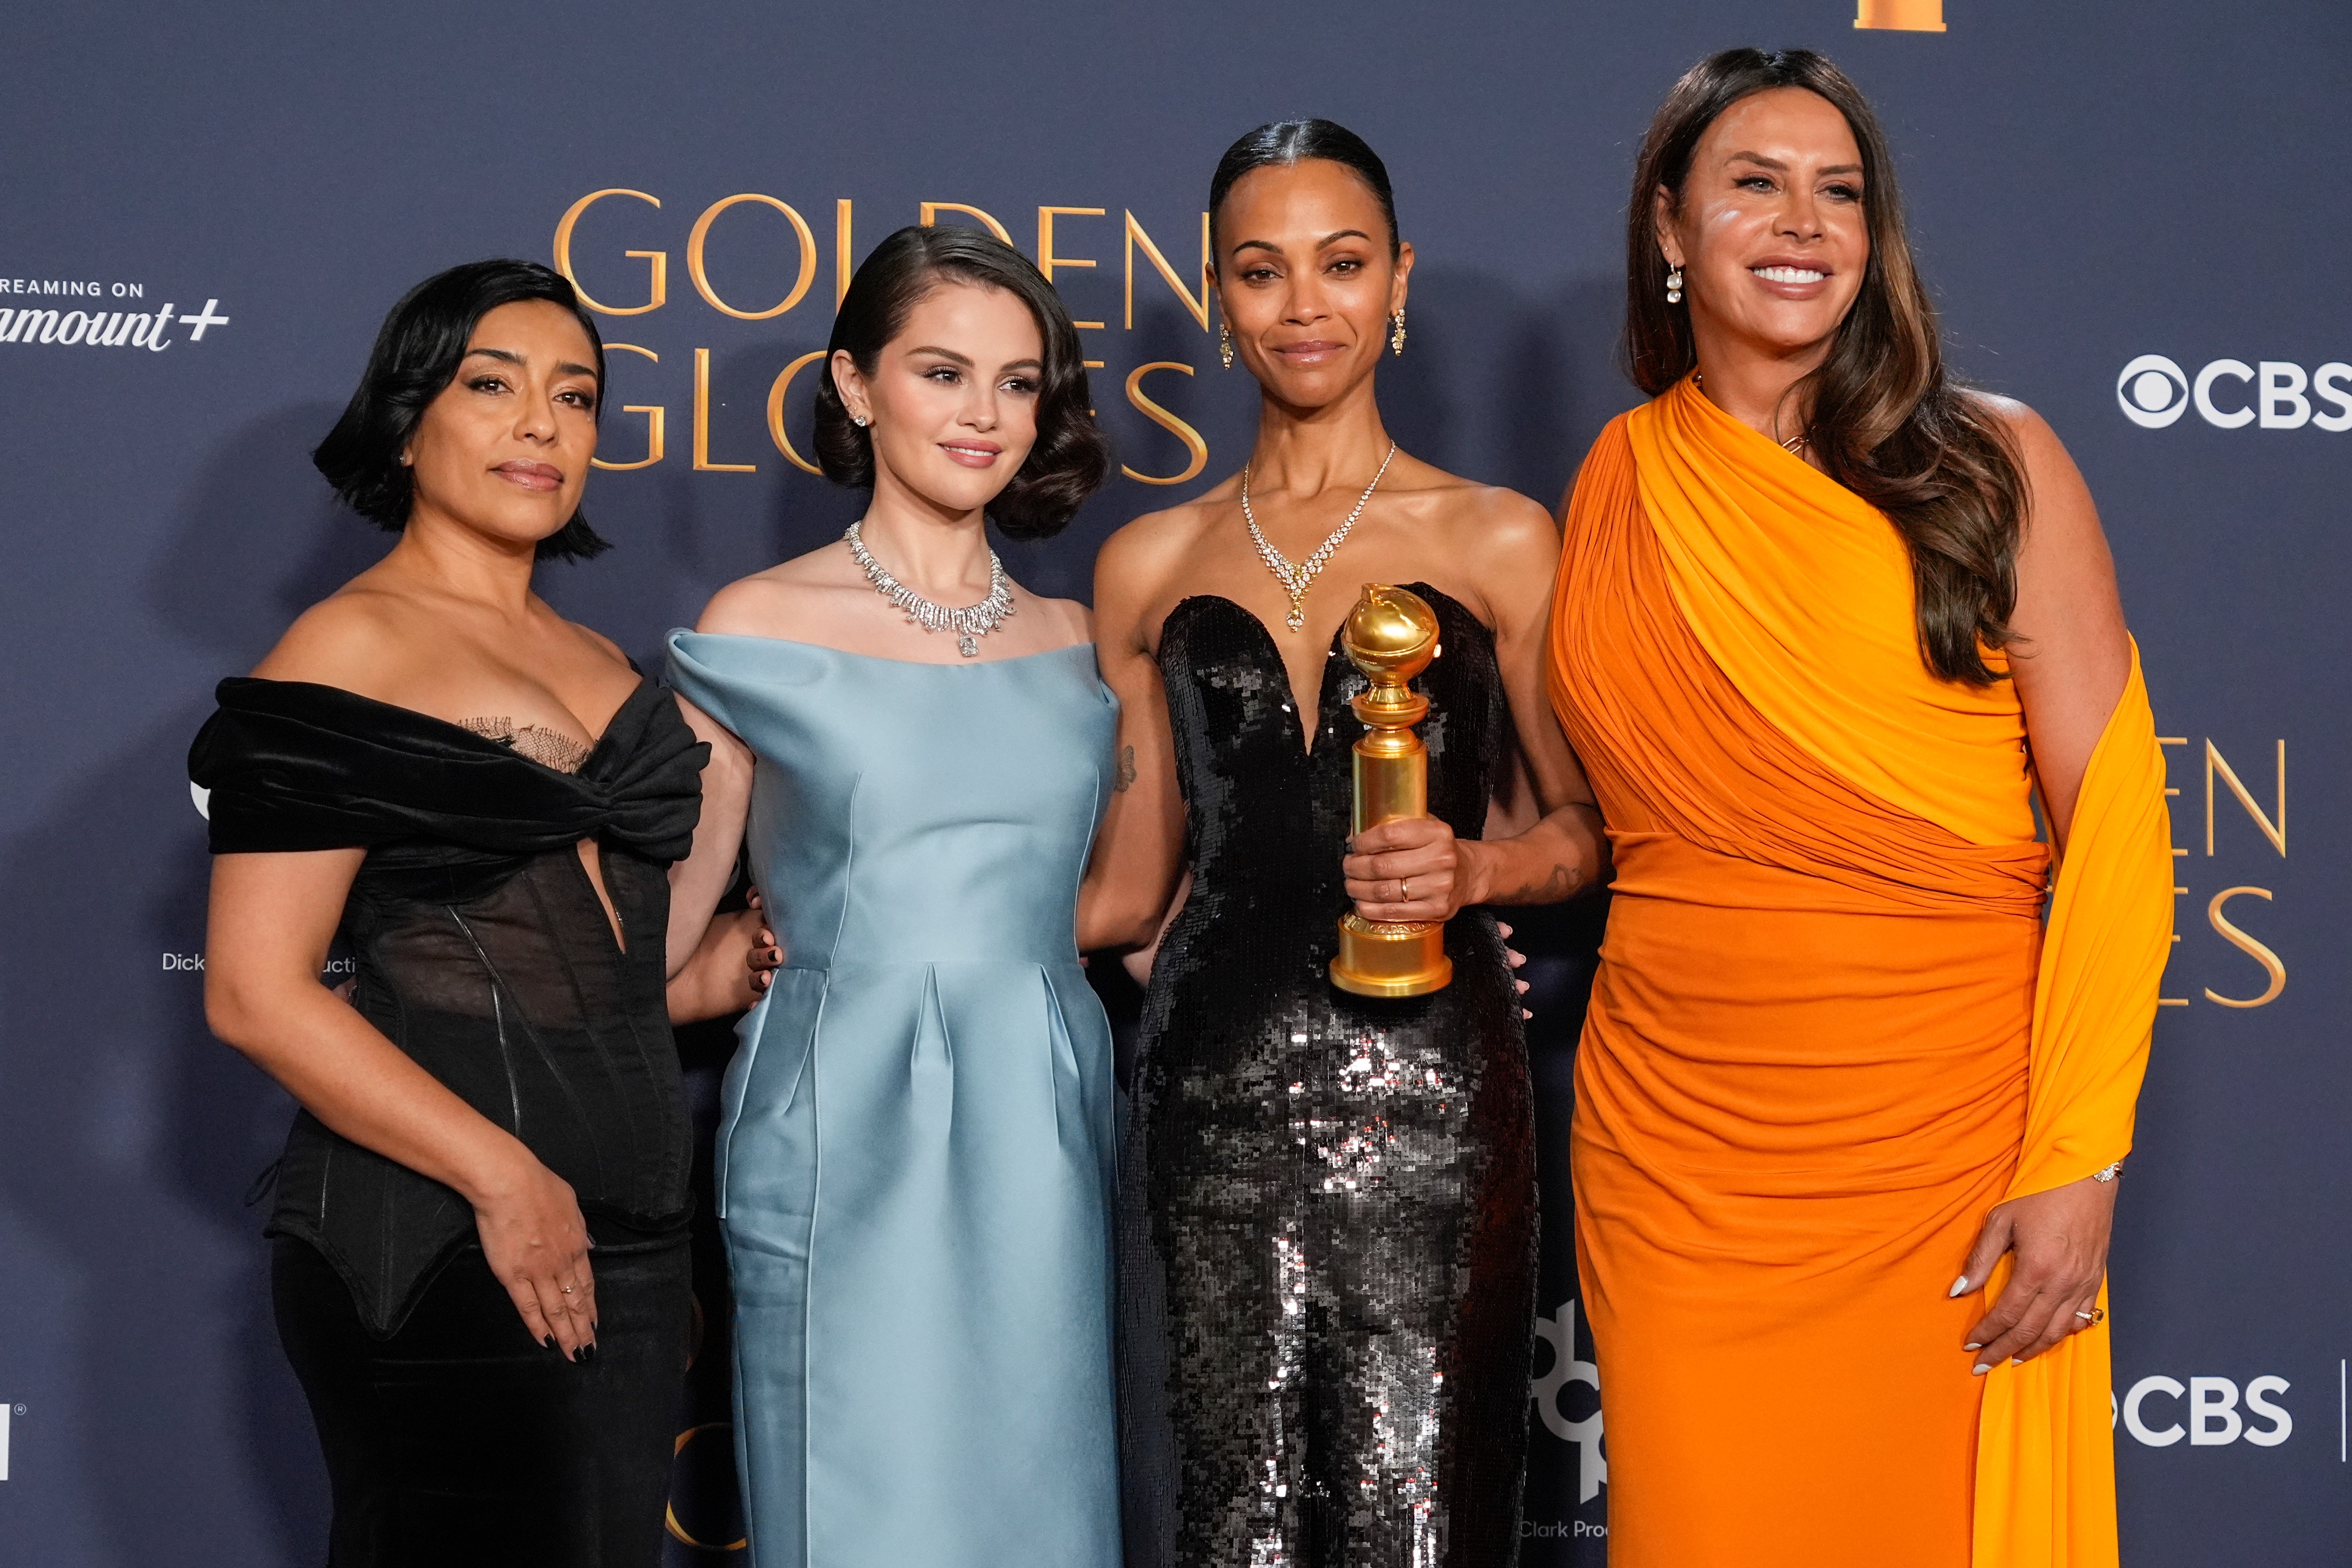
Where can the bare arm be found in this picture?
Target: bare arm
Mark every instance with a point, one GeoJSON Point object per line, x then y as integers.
{"type": "Point", "coordinates": [1564, 852]}
{"type": "Point", "coordinates": [2071, 663]}
{"type": "Point", "coordinates": [698, 882]}
{"type": "Point", "coordinates": [1132, 873]}
{"type": "Point", "coordinates": [272, 917]}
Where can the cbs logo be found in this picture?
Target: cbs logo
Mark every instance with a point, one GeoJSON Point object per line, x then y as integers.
{"type": "Point", "coordinates": [2205, 1411]}
{"type": "Point", "coordinates": [2229, 393]}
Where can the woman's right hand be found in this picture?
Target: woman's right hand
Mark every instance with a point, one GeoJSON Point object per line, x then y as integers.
{"type": "Point", "coordinates": [536, 1245]}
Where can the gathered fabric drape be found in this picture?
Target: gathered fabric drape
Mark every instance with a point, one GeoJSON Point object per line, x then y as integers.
{"type": "Point", "coordinates": [1832, 1027]}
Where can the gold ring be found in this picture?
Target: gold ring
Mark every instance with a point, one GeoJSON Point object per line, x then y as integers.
{"type": "Point", "coordinates": [2093, 1315]}
{"type": "Point", "coordinates": [1404, 886]}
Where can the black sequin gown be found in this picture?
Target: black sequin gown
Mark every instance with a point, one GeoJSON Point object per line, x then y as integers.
{"type": "Point", "coordinates": [1329, 1245]}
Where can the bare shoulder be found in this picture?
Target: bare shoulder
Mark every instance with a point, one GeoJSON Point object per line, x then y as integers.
{"type": "Point", "coordinates": [770, 603]}
{"type": "Point", "coordinates": [1490, 525]}
{"type": "Point", "coordinates": [2058, 503]}
{"type": "Point", "coordinates": [352, 640]}
{"type": "Point", "coordinates": [1162, 538]}
{"type": "Point", "coordinates": [1072, 622]}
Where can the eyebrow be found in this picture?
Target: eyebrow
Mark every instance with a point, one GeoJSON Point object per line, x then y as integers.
{"type": "Point", "coordinates": [508, 356]}
{"type": "Point", "coordinates": [965, 359]}
{"type": "Point", "coordinates": [1759, 158]}
{"type": "Point", "coordinates": [1332, 238]}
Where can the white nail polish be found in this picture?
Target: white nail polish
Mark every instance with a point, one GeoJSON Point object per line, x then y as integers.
{"type": "Point", "coordinates": [1961, 1286]}
{"type": "Point", "coordinates": [1982, 1368]}
{"type": "Point", "coordinates": [1974, 1347]}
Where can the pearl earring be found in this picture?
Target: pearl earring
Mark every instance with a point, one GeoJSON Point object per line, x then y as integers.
{"type": "Point", "coordinates": [1674, 286]}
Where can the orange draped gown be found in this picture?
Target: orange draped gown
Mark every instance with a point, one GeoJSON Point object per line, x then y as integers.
{"type": "Point", "coordinates": [1832, 1027]}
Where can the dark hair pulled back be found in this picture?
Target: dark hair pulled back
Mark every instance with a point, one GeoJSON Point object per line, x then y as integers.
{"type": "Point", "coordinates": [1887, 421]}
{"type": "Point", "coordinates": [1286, 141]}
{"type": "Point", "coordinates": [1071, 458]}
{"type": "Point", "coordinates": [418, 354]}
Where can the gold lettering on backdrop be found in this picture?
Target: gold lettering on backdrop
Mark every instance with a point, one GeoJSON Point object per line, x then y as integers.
{"type": "Point", "coordinates": [783, 383]}
{"type": "Point", "coordinates": [2177, 893]}
{"type": "Point", "coordinates": [654, 414]}
{"type": "Point", "coordinates": [2273, 831]}
{"type": "Point", "coordinates": [2247, 945]}
{"type": "Point", "coordinates": [1166, 421]}
{"type": "Point", "coordinates": [656, 261]}
{"type": "Point", "coordinates": [1135, 236]}
{"type": "Point", "coordinates": [1901, 16]}
{"type": "Point", "coordinates": [931, 211]}
{"type": "Point", "coordinates": [843, 213]}
{"type": "Point", "coordinates": [669, 1512]}
{"type": "Point", "coordinates": [1047, 260]}
{"type": "Point", "coordinates": [694, 269]}
{"type": "Point", "coordinates": [702, 422]}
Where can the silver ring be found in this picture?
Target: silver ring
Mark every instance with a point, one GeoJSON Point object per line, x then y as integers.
{"type": "Point", "coordinates": [567, 1290]}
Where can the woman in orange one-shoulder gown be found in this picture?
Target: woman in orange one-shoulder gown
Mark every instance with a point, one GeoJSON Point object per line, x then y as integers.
{"type": "Point", "coordinates": [1836, 1055]}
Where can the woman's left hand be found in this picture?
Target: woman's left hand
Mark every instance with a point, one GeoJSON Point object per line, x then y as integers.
{"type": "Point", "coordinates": [1408, 869]}
{"type": "Point", "coordinates": [2060, 1237]}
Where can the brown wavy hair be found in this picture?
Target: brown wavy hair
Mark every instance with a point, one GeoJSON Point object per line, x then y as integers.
{"type": "Point", "coordinates": [1887, 421]}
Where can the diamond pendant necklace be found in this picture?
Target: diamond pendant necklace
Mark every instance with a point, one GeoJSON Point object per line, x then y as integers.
{"type": "Point", "coordinates": [969, 623]}
{"type": "Point", "coordinates": [1295, 580]}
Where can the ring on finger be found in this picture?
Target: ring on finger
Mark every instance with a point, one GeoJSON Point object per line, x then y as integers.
{"type": "Point", "coordinates": [567, 1290]}
{"type": "Point", "coordinates": [1404, 889]}
{"type": "Point", "coordinates": [2095, 1315]}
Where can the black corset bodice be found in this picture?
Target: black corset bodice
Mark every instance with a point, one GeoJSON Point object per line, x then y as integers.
{"type": "Point", "coordinates": [1269, 817]}
{"type": "Point", "coordinates": [480, 949]}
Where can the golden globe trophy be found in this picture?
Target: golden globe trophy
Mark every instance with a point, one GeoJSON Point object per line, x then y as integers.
{"type": "Point", "coordinates": [1391, 636]}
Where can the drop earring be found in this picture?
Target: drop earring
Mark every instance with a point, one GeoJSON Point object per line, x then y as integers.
{"type": "Point", "coordinates": [1225, 346]}
{"type": "Point", "coordinates": [1674, 286]}
{"type": "Point", "coordinates": [1396, 337]}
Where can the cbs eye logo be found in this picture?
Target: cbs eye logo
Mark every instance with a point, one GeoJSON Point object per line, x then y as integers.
{"type": "Point", "coordinates": [2229, 393]}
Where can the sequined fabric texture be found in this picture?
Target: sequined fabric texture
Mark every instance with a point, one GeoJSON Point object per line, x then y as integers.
{"type": "Point", "coordinates": [1329, 1205]}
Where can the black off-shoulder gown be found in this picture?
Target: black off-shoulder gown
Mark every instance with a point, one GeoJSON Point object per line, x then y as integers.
{"type": "Point", "coordinates": [1329, 1203]}
{"type": "Point", "coordinates": [483, 952]}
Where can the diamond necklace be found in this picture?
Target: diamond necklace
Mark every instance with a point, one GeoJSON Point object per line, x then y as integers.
{"type": "Point", "coordinates": [969, 623]}
{"type": "Point", "coordinates": [1296, 579]}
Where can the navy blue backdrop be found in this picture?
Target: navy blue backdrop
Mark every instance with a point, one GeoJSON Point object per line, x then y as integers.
{"type": "Point", "coordinates": [2131, 213]}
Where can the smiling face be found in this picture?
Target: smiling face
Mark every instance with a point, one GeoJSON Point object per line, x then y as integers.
{"type": "Point", "coordinates": [953, 402]}
{"type": "Point", "coordinates": [1307, 279]}
{"type": "Point", "coordinates": [1771, 230]}
{"type": "Point", "coordinates": [504, 448]}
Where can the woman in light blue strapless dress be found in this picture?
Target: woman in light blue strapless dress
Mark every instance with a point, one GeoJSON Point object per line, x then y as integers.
{"type": "Point", "coordinates": [915, 1159]}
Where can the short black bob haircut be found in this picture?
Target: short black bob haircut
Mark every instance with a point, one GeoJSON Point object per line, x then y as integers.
{"type": "Point", "coordinates": [416, 355]}
{"type": "Point", "coordinates": [1070, 460]}
{"type": "Point", "coordinates": [1286, 141]}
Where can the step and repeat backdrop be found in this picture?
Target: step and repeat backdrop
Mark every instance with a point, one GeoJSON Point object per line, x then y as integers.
{"type": "Point", "coordinates": [2131, 211]}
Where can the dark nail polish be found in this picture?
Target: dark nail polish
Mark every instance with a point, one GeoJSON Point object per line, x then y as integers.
{"type": "Point", "coordinates": [550, 1343]}
{"type": "Point", "coordinates": [586, 1354]}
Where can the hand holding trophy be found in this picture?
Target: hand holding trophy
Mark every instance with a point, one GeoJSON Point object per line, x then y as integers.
{"type": "Point", "coordinates": [1391, 637]}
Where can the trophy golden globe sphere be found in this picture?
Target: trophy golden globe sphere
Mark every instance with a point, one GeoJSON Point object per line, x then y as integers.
{"type": "Point", "coordinates": [1391, 636]}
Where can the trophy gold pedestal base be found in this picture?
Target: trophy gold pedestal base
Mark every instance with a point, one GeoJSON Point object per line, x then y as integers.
{"type": "Point", "coordinates": [1381, 958]}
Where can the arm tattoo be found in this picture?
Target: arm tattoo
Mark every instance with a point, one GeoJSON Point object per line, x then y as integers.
{"type": "Point", "coordinates": [1126, 769]}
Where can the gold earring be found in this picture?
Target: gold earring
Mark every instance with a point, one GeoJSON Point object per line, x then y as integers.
{"type": "Point", "coordinates": [1396, 339]}
{"type": "Point", "coordinates": [1674, 286]}
{"type": "Point", "coordinates": [1225, 346]}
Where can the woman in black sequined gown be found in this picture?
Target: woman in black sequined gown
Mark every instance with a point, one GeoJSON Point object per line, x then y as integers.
{"type": "Point", "coordinates": [1328, 1232]}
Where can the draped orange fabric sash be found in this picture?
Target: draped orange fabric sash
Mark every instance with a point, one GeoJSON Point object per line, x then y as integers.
{"type": "Point", "coordinates": [1777, 714]}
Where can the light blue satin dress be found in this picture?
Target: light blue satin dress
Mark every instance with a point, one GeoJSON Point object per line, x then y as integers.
{"type": "Point", "coordinates": [915, 1162]}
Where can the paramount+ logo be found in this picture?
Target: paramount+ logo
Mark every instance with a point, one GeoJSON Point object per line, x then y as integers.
{"type": "Point", "coordinates": [2230, 394]}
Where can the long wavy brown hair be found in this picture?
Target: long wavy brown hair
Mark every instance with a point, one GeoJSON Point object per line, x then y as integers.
{"type": "Point", "coordinates": [1887, 421]}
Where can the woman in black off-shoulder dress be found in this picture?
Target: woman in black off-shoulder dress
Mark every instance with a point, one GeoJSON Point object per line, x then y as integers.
{"type": "Point", "coordinates": [501, 1093]}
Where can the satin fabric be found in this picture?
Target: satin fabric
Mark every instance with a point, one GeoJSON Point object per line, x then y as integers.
{"type": "Point", "coordinates": [916, 1148]}
{"type": "Point", "coordinates": [1828, 1033]}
